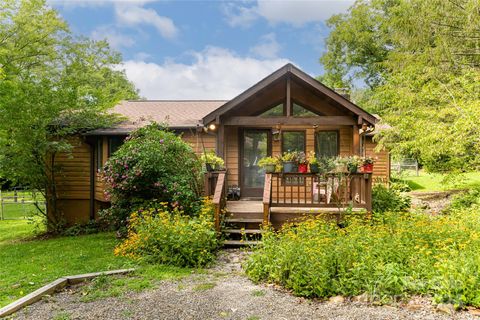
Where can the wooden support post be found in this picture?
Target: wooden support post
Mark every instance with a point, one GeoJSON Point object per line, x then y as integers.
{"type": "Point", "coordinates": [288, 102]}
{"type": "Point", "coordinates": [218, 199]}
{"type": "Point", "coordinates": [221, 140]}
{"type": "Point", "coordinates": [356, 141]}
{"type": "Point", "coordinates": [368, 194]}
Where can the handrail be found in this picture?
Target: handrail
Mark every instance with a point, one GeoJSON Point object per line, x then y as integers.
{"type": "Point", "coordinates": [219, 198]}
{"type": "Point", "coordinates": [267, 198]}
{"type": "Point", "coordinates": [329, 190]}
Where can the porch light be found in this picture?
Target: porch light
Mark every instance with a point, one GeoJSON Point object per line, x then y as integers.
{"type": "Point", "coordinates": [212, 127]}
{"type": "Point", "coordinates": [276, 132]}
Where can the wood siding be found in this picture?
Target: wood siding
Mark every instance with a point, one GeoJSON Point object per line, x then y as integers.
{"type": "Point", "coordinates": [381, 167]}
{"type": "Point", "coordinates": [200, 140]}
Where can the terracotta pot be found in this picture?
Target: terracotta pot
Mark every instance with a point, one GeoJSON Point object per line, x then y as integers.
{"type": "Point", "coordinates": [302, 168]}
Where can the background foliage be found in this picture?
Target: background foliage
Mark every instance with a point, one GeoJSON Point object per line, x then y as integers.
{"type": "Point", "coordinates": [52, 84]}
{"type": "Point", "coordinates": [419, 64]}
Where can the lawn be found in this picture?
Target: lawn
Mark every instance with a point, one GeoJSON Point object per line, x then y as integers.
{"type": "Point", "coordinates": [435, 182]}
{"type": "Point", "coordinates": [27, 264]}
{"type": "Point", "coordinates": [18, 205]}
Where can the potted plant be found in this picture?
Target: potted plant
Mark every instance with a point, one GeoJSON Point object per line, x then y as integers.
{"type": "Point", "coordinates": [269, 163]}
{"type": "Point", "coordinates": [302, 162]}
{"type": "Point", "coordinates": [289, 161]}
{"type": "Point", "coordinates": [326, 165]}
{"type": "Point", "coordinates": [353, 163]}
{"type": "Point", "coordinates": [211, 161]}
{"type": "Point", "coordinates": [340, 164]}
{"type": "Point", "coordinates": [367, 165]}
{"type": "Point", "coordinates": [313, 162]}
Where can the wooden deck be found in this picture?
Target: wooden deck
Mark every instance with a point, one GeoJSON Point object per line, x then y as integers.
{"type": "Point", "coordinates": [249, 206]}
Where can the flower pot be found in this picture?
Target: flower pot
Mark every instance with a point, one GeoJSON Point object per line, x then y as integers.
{"type": "Point", "coordinates": [302, 168]}
{"type": "Point", "coordinates": [270, 168]}
{"type": "Point", "coordinates": [289, 166]}
{"type": "Point", "coordinates": [367, 168]}
{"type": "Point", "coordinates": [314, 168]}
{"type": "Point", "coordinates": [209, 167]}
{"type": "Point", "coordinates": [352, 168]}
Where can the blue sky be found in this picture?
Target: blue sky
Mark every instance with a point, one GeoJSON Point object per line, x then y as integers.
{"type": "Point", "coordinates": [205, 49]}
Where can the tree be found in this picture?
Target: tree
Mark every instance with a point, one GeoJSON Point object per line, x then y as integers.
{"type": "Point", "coordinates": [420, 62]}
{"type": "Point", "coordinates": [52, 85]}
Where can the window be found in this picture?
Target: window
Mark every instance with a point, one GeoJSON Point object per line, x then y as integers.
{"type": "Point", "coordinates": [276, 111]}
{"type": "Point", "coordinates": [299, 111]}
{"type": "Point", "coordinates": [99, 154]}
{"type": "Point", "coordinates": [293, 141]}
{"type": "Point", "coordinates": [326, 144]}
{"type": "Point", "coordinates": [113, 144]}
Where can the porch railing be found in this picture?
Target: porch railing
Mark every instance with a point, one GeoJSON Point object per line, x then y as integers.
{"type": "Point", "coordinates": [332, 190]}
{"type": "Point", "coordinates": [219, 197]}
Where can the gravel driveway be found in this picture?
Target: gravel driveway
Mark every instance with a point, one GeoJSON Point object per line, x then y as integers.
{"type": "Point", "coordinates": [223, 292]}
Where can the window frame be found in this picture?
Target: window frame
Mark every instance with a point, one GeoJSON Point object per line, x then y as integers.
{"type": "Point", "coordinates": [326, 130]}
{"type": "Point", "coordinates": [295, 130]}
{"type": "Point", "coordinates": [109, 143]}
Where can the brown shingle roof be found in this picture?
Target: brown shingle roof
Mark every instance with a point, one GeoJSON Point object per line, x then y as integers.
{"type": "Point", "coordinates": [177, 113]}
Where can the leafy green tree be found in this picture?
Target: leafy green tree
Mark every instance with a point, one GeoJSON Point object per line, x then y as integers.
{"type": "Point", "coordinates": [52, 85]}
{"type": "Point", "coordinates": [420, 62]}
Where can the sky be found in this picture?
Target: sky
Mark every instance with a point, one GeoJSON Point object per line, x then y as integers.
{"type": "Point", "coordinates": [205, 49]}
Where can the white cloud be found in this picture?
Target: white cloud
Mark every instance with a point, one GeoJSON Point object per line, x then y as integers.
{"type": "Point", "coordinates": [268, 47]}
{"type": "Point", "coordinates": [116, 39]}
{"type": "Point", "coordinates": [215, 73]}
{"type": "Point", "coordinates": [295, 12]}
{"type": "Point", "coordinates": [95, 3]}
{"type": "Point", "coordinates": [135, 15]}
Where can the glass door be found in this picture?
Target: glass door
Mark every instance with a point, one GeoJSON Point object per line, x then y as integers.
{"type": "Point", "coordinates": [255, 144]}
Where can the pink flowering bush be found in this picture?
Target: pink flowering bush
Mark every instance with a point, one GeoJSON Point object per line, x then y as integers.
{"type": "Point", "coordinates": [153, 166]}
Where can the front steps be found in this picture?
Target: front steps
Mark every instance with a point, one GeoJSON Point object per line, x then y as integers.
{"type": "Point", "coordinates": [242, 224]}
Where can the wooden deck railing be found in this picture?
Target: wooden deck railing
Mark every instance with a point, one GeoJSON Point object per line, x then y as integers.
{"type": "Point", "coordinates": [267, 198]}
{"type": "Point", "coordinates": [313, 190]}
{"type": "Point", "coordinates": [219, 197]}
{"type": "Point", "coordinates": [210, 182]}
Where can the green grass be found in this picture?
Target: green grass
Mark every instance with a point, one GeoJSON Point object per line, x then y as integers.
{"type": "Point", "coordinates": [26, 265]}
{"type": "Point", "coordinates": [436, 182]}
{"type": "Point", "coordinates": [11, 209]}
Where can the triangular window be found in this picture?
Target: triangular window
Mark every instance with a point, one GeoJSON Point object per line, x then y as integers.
{"type": "Point", "coordinates": [299, 111]}
{"type": "Point", "coordinates": [276, 111]}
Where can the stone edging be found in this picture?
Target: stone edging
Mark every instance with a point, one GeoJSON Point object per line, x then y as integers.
{"type": "Point", "coordinates": [52, 287]}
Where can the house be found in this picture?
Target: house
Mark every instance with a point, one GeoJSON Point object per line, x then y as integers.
{"type": "Point", "coordinates": [288, 110]}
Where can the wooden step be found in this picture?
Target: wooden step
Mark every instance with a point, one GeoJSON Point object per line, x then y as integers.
{"type": "Point", "coordinates": [243, 231]}
{"type": "Point", "coordinates": [237, 243]}
{"type": "Point", "coordinates": [243, 220]}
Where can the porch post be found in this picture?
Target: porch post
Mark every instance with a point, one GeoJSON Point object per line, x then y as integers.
{"type": "Point", "coordinates": [356, 141]}
{"type": "Point", "coordinates": [221, 141]}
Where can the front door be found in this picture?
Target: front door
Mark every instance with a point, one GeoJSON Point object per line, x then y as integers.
{"type": "Point", "coordinates": [255, 144]}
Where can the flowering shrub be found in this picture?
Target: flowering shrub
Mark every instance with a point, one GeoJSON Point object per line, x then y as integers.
{"type": "Point", "coordinates": [388, 258]}
{"type": "Point", "coordinates": [170, 237]}
{"type": "Point", "coordinates": [153, 164]}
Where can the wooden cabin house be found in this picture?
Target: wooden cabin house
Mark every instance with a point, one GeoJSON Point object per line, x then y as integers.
{"type": "Point", "coordinates": [288, 110]}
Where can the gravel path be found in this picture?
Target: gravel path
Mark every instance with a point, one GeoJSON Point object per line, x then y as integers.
{"type": "Point", "coordinates": [223, 292]}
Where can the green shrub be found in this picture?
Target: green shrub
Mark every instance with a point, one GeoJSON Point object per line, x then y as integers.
{"type": "Point", "coordinates": [165, 236]}
{"type": "Point", "coordinates": [385, 199]}
{"type": "Point", "coordinates": [153, 164]}
{"type": "Point", "coordinates": [391, 257]}
{"type": "Point", "coordinates": [465, 200]}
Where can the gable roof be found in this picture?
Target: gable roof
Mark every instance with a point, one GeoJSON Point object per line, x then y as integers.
{"type": "Point", "coordinates": [179, 114]}
{"type": "Point", "coordinates": [289, 69]}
